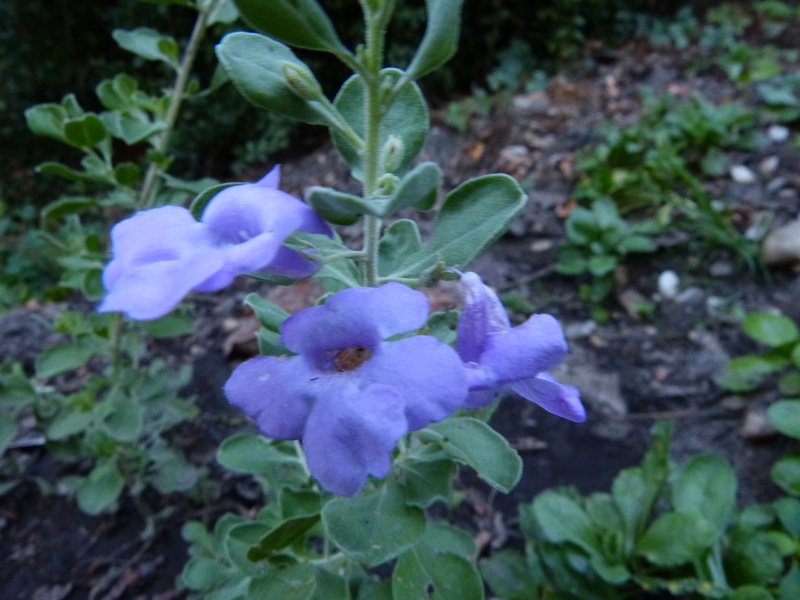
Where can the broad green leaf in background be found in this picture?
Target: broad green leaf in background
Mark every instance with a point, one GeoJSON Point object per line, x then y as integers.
{"type": "Point", "coordinates": [786, 473]}
{"type": "Point", "coordinates": [509, 576]}
{"type": "Point", "coordinates": [256, 455]}
{"type": "Point", "coordinates": [282, 536]}
{"type": "Point", "coordinates": [474, 443]}
{"type": "Point", "coordinates": [149, 44]}
{"type": "Point", "coordinates": [170, 326]}
{"type": "Point", "coordinates": [676, 538]}
{"type": "Point", "coordinates": [769, 329]}
{"type": "Point", "coordinates": [441, 37]}
{"type": "Point", "coordinates": [101, 488]}
{"type": "Point", "coordinates": [299, 23]}
{"type": "Point", "coordinates": [284, 582]}
{"type": "Point", "coordinates": [406, 119]}
{"type": "Point", "coordinates": [745, 373]}
{"type": "Point", "coordinates": [706, 485]}
{"type": "Point", "coordinates": [376, 527]}
{"type": "Point", "coordinates": [86, 131]}
{"type": "Point", "coordinates": [785, 417]}
{"type": "Point", "coordinates": [426, 481]}
{"type": "Point", "coordinates": [255, 65]}
{"type": "Point", "coordinates": [65, 357]}
{"type": "Point", "coordinates": [47, 120]}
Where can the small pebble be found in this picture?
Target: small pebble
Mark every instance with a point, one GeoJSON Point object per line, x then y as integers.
{"type": "Point", "coordinates": [580, 330]}
{"type": "Point", "coordinates": [668, 282]}
{"type": "Point", "coordinates": [743, 175]}
{"type": "Point", "coordinates": [721, 268]}
{"type": "Point", "coordinates": [768, 166]}
{"type": "Point", "coordinates": [756, 426]}
{"type": "Point", "coordinates": [778, 133]}
{"type": "Point", "coordinates": [689, 295]}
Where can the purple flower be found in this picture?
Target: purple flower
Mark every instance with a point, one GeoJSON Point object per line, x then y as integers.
{"type": "Point", "coordinates": [497, 355]}
{"type": "Point", "coordinates": [161, 254]}
{"type": "Point", "coordinates": [349, 395]}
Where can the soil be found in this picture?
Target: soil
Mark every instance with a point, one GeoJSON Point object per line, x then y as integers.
{"type": "Point", "coordinates": [631, 371]}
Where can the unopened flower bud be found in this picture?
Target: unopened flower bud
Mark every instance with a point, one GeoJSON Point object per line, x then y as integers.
{"type": "Point", "coordinates": [392, 154]}
{"type": "Point", "coordinates": [301, 82]}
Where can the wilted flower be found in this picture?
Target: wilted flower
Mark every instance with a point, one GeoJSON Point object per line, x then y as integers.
{"type": "Point", "coordinates": [161, 254]}
{"type": "Point", "coordinates": [349, 395]}
{"type": "Point", "coordinates": [497, 355]}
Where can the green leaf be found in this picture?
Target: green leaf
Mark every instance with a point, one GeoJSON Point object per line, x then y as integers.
{"type": "Point", "coordinates": [756, 557]}
{"type": "Point", "coordinates": [789, 384]}
{"type": "Point", "coordinates": [65, 357]}
{"type": "Point", "coordinates": [562, 519]}
{"type": "Point", "coordinates": [223, 12]}
{"type": "Point", "coordinates": [472, 217]}
{"type": "Point", "coordinates": [66, 206]}
{"type": "Point", "coordinates": [198, 205]}
{"type": "Point", "coordinates": [441, 37]}
{"type": "Point", "coordinates": [68, 422]}
{"type": "Point", "coordinates": [254, 64]}
{"type": "Point", "coordinates": [47, 120]}
{"type": "Point", "coordinates": [285, 582]}
{"type": "Point", "coordinates": [101, 489]}
{"type": "Point", "coordinates": [427, 481]}
{"type": "Point", "coordinates": [601, 265]}
{"type": "Point", "coordinates": [335, 206]}
{"type": "Point", "coordinates": [474, 443]}
{"type": "Point", "coordinates": [745, 373]}
{"type": "Point", "coordinates": [269, 315]}
{"type": "Point", "coordinates": [169, 471]}
{"type": "Point", "coordinates": [127, 174]}
{"type": "Point", "coordinates": [788, 512]}
{"type": "Point", "coordinates": [123, 418]}
{"type": "Point", "coordinates": [751, 592]}
{"type": "Point", "coordinates": [336, 274]}
{"type": "Point", "coordinates": [786, 473]}
{"type": "Point", "coordinates": [785, 417]}
{"type": "Point", "coordinates": [284, 535]}
{"type": "Point", "coordinates": [790, 586]}
{"type": "Point", "coordinates": [85, 132]}
{"type": "Point", "coordinates": [706, 485]}
{"type": "Point", "coordinates": [509, 576]}
{"type": "Point", "coordinates": [676, 538]}
{"type": "Point", "coordinates": [400, 240]}
{"type": "Point", "coordinates": [417, 188]}
{"type": "Point", "coordinates": [374, 528]}
{"type": "Point", "coordinates": [131, 128]}
{"type": "Point", "coordinates": [256, 455]}
{"type": "Point", "coordinates": [299, 23]}
{"type": "Point", "coordinates": [406, 119]}
{"type": "Point", "coordinates": [423, 573]}
{"type": "Point", "coordinates": [769, 329]}
{"type": "Point", "coordinates": [170, 326]}
{"type": "Point", "coordinates": [149, 44]}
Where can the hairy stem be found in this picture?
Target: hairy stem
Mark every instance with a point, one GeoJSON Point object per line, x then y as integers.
{"type": "Point", "coordinates": [147, 195]}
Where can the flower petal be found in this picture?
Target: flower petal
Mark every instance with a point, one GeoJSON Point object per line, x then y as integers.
{"type": "Point", "coordinates": [427, 374]}
{"type": "Point", "coordinates": [524, 351]}
{"type": "Point", "coordinates": [483, 315]}
{"type": "Point", "coordinates": [557, 398]}
{"type": "Point", "coordinates": [355, 317]}
{"type": "Point", "coordinates": [159, 255]}
{"type": "Point", "coordinates": [350, 435]}
{"type": "Point", "coordinates": [278, 393]}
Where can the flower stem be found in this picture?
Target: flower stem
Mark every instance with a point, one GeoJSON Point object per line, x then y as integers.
{"type": "Point", "coordinates": [373, 59]}
{"type": "Point", "coordinates": [147, 196]}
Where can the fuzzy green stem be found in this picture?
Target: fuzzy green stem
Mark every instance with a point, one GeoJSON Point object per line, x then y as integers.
{"type": "Point", "coordinates": [373, 58]}
{"type": "Point", "coordinates": [147, 195]}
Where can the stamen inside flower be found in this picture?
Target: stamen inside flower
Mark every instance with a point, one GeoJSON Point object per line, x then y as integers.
{"type": "Point", "coordinates": [351, 358]}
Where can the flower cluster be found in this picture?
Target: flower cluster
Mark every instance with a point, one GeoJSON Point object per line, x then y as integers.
{"type": "Point", "coordinates": [161, 254]}
{"type": "Point", "coordinates": [362, 376]}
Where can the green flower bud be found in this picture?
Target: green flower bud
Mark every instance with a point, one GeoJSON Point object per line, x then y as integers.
{"type": "Point", "coordinates": [392, 154]}
{"type": "Point", "coordinates": [301, 81]}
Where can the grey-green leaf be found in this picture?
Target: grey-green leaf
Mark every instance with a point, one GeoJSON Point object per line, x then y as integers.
{"type": "Point", "coordinates": [476, 444]}
{"type": "Point", "coordinates": [149, 44]}
{"type": "Point", "coordinates": [706, 485]}
{"type": "Point", "coordinates": [254, 64]}
{"type": "Point", "coordinates": [299, 23]}
{"type": "Point", "coordinates": [374, 528]}
{"type": "Point", "coordinates": [441, 37]}
{"type": "Point", "coordinates": [335, 206]}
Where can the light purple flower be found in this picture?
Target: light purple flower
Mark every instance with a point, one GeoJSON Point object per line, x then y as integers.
{"type": "Point", "coordinates": [161, 254]}
{"type": "Point", "coordinates": [349, 395]}
{"type": "Point", "coordinates": [497, 355]}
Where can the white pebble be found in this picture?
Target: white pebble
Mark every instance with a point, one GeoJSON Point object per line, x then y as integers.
{"type": "Point", "coordinates": [668, 283]}
{"type": "Point", "coordinates": [778, 133]}
{"type": "Point", "coordinates": [742, 174]}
